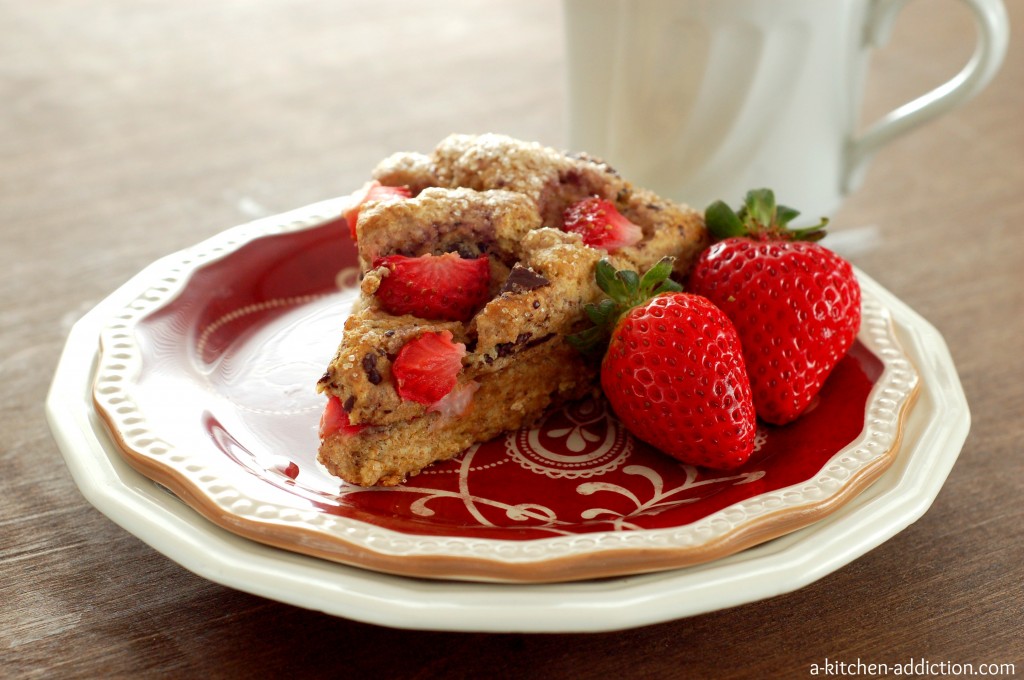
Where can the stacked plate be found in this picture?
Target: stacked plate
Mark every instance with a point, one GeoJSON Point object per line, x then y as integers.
{"type": "Point", "coordinates": [185, 407]}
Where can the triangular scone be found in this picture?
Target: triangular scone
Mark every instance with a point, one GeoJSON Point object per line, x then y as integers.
{"type": "Point", "coordinates": [505, 198]}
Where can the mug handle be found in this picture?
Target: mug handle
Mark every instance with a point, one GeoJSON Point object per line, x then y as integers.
{"type": "Point", "coordinates": [993, 37]}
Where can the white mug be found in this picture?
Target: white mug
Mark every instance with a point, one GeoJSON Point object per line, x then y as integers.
{"type": "Point", "coordinates": [700, 100]}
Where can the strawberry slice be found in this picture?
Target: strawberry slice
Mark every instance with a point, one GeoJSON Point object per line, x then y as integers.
{"type": "Point", "coordinates": [456, 403]}
{"type": "Point", "coordinates": [371, 191]}
{"type": "Point", "coordinates": [335, 420]}
{"type": "Point", "coordinates": [600, 224]}
{"type": "Point", "coordinates": [427, 367]}
{"type": "Point", "coordinates": [438, 287]}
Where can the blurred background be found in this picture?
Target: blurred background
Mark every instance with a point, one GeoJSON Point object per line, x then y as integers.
{"type": "Point", "coordinates": [250, 108]}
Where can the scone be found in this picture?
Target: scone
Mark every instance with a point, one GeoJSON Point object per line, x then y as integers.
{"type": "Point", "coordinates": [472, 280]}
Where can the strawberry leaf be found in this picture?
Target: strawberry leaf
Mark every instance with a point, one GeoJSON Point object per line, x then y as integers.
{"type": "Point", "coordinates": [630, 282]}
{"type": "Point", "coordinates": [608, 282]}
{"type": "Point", "coordinates": [760, 205]}
{"type": "Point", "coordinates": [601, 312]}
{"type": "Point", "coordinates": [784, 215]}
{"type": "Point", "coordinates": [722, 221]}
{"type": "Point", "coordinates": [656, 275]}
{"type": "Point", "coordinates": [667, 286]}
{"type": "Point", "coordinates": [760, 217]}
{"type": "Point", "coordinates": [815, 233]}
{"type": "Point", "coordinates": [590, 341]}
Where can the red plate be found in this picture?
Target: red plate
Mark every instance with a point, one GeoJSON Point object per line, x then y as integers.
{"type": "Point", "coordinates": [207, 382]}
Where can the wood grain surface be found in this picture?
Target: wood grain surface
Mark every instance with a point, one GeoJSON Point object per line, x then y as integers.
{"type": "Point", "coordinates": [129, 130]}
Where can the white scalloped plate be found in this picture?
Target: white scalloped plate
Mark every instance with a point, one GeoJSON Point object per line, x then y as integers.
{"type": "Point", "coordinates": [114, 488]}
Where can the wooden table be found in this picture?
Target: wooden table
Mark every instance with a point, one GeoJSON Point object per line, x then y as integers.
{"type": "Point", "coordinates": [129, 130]}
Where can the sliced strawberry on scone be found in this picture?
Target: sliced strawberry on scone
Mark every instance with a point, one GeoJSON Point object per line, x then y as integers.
{"type": "Point", "coordinates": [371, 191]}
{"type": "Point", "coordinates": [600, 224]}
{"type": "Point", "coordinates": [427, 367]}
{"type": "Point", "coordinates": [456, 403]}
{"type": "Point", "coordinates": [335, 420]}
{"type": "Point", "coordinates": [437, 287]}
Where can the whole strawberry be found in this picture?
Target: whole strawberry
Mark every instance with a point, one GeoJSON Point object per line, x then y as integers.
{"type": "Point", "coordinates": [673, 371]}
{"type": "Point", "coordinates": [795, 304]}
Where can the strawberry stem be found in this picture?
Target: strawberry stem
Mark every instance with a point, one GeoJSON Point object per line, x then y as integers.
{"type": "Point", "coordinates": [625, 289]}
{"type": "Point", "coordinates": [760, 217]}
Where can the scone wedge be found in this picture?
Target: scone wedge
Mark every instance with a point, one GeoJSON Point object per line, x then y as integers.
{"type": "Point", "coordinates": [502, 358]}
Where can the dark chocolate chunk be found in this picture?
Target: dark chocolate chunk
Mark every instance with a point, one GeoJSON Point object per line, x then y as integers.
{"type": "Point", "coordinates": [571, 177]}
{"type": "Point", "coordinates": [370, 368]}
{"type": "Point", "coordinates": [539, 341]}
{"type": "Point", "coordinates": [466, 252]}
{"type": "Point", "coordinates": [506, 349]}
{"type": "Point", "coordinates": [349, 403]}
{"type": "Point", "coordinates": [523, 279]}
